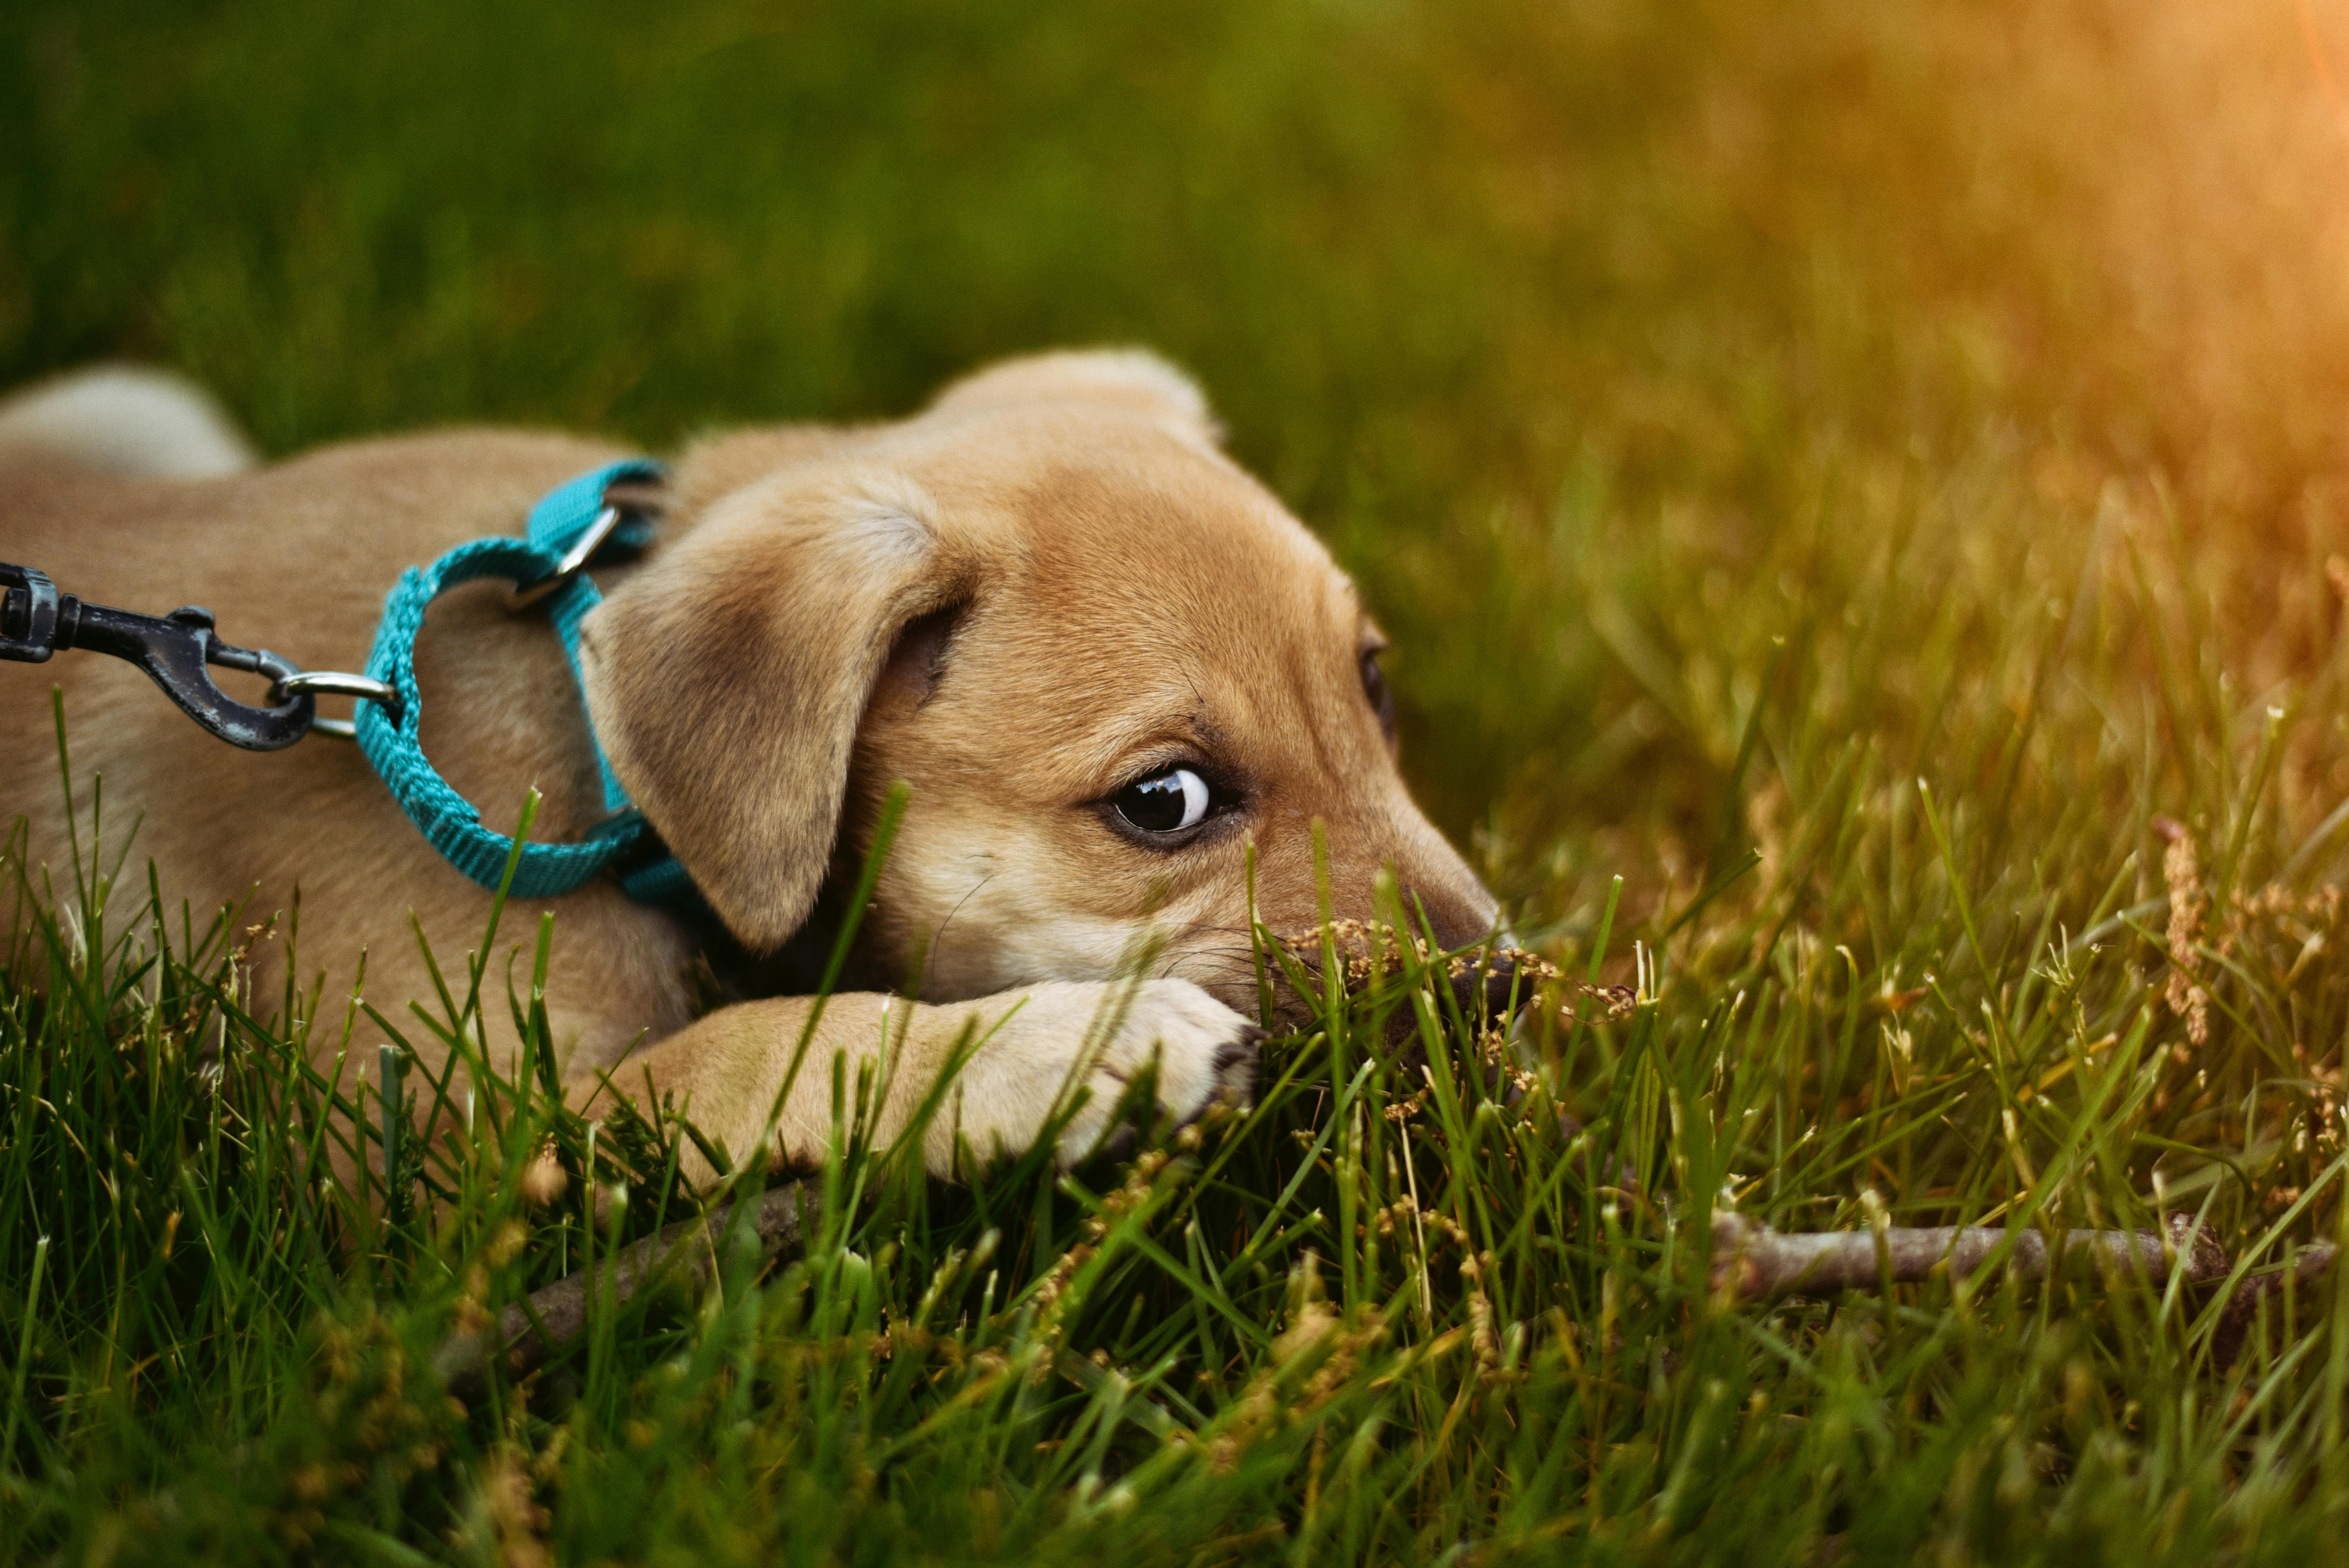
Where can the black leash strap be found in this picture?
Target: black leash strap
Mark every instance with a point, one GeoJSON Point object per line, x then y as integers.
{"type": "Point", "coordinates": [37, 621]}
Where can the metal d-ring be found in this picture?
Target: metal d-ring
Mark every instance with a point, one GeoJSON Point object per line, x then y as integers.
{"type": "Point", "coordinates": [340, 683]}
{"type": "Point", "coordinates": [574, 561]}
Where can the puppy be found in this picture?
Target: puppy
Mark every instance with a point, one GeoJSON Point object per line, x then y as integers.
{"type": "Point", "coordinates": [1107, 662]}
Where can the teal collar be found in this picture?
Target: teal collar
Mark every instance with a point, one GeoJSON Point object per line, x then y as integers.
{"type": "Point", "coordinates": [567, 529]}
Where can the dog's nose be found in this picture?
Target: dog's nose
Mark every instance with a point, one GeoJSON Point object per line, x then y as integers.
{"type": "Point", "coordinates": [1485, 991]}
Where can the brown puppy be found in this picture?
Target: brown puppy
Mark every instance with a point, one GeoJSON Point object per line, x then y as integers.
{"type": "Point", "coordinates": [1104, 658]}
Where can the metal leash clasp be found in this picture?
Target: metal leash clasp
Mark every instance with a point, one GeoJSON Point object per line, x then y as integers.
{"type": "Point", "coordinates": [37, 621]}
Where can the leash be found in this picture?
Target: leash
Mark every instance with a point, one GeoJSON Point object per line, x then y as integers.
{"type": "Point", "coordinates": [37, 621]}
{"type": "Point", "coordinates": [569, 528]}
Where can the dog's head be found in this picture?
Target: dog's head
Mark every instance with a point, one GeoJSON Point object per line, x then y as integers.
{"type": "Point", "coordinates": [1105, 660]}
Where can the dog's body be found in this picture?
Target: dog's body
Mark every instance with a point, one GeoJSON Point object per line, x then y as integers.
{"type": "Point", "coordinates": [1047, 595]}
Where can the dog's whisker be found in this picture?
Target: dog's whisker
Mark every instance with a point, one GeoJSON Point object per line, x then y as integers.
{"type": "Point", "coordinates": [938, 937]}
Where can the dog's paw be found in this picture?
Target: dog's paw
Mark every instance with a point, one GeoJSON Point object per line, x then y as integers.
{"type": "Point", "coordinates": [1098, 1039]}
{"type": "Point", "coordinates": [1205, 1054]}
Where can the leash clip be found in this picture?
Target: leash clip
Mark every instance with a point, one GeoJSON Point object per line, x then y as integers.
{"type": "Point", "coordinates": [37, 621]}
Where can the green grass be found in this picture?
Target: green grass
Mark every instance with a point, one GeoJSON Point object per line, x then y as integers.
{"type": "Point", "coordinates": [1852, 473]}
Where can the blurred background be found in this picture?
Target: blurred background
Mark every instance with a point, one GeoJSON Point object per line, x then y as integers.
{"type": "Point", "coordinates": [1669, 372]}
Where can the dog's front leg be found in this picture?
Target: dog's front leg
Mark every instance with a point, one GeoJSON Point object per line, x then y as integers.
{"type": "Point", "coordinates": [1016, 1057]}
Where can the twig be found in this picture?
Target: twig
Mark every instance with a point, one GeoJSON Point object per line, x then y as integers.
{"type": "Point", "coordinates": [685, 1253]}
{"type": "Point", "coordinates": [1752, 1262]}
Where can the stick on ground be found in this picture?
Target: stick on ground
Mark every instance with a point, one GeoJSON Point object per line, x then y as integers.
{"type": "Point", "coordinates": [684, 1252]}
{"type": "Point", "coordinates": [1752, 1262]}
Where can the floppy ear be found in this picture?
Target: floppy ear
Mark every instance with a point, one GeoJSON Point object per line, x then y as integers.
{"type": "Point", "coordinates": [1132, 378]}
{"type": "Point", "coordinates": [726, 679]}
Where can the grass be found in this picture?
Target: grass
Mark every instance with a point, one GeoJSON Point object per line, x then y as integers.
{"type": "Point", "coordinates": [1853, 490]}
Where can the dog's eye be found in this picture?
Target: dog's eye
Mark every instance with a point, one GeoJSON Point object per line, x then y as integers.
{"type": "Point", "coordinates": [1164, 802]}
{"type": "Point", "coordinates": [1375, 687]}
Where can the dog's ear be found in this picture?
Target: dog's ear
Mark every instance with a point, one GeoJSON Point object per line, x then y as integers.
{"type": "Point", "coordinates": [726, 679]}
{"type": "Point", "coordinates": [1130, 379]}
